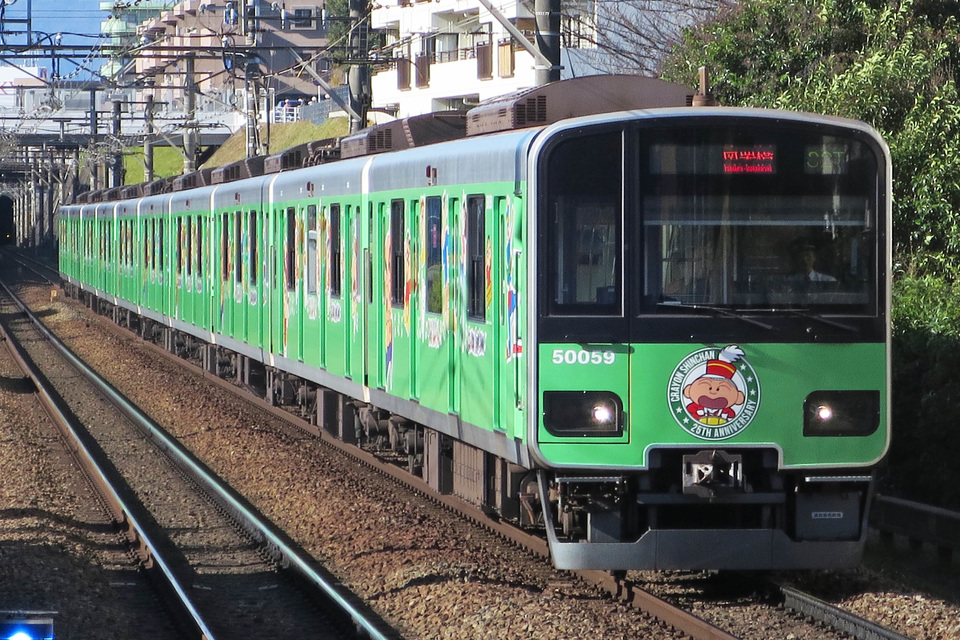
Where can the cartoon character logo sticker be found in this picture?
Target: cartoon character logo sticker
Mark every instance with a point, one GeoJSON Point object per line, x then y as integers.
{"type": "Point", "coordinates": [714, 394]}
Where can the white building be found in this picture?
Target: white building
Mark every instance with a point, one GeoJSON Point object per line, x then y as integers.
{"type": "Point", "coordinates": [451, 54]}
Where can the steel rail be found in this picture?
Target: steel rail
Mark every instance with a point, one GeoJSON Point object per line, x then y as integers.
{"type": "Point", "coordinates": [150, 555]}
{"type": "Point", "coordinates": [250, 520]}
{"type": "Point", "coordinates": [837, 618]}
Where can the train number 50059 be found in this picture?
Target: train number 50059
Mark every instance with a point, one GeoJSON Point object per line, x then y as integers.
{"type": "Point", "coordinates": [571, 356]}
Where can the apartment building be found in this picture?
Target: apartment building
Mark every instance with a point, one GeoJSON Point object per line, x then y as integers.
{"type": "Point", "coordinates": [218, 38]}
{"type": "Point", "coordinates": [452, 54]}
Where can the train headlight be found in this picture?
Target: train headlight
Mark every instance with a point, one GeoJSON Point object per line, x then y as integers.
{"type": "Point", "coordinates": [582, 413]}
{"type": "Point", "coordinates": [841, 413]}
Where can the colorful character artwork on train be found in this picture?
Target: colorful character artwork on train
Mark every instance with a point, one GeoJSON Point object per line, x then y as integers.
{"type": "Point", "coordinates": [510, 286]}
{"type": "Point", "coordinates": [410, 285]}
{"type": "Point", "coordinates": [714, 394]}
{"type": "Point", "coordinates": [197, 257]}
{"type": "Point", "coordinates": [388, 307]}
{"type": "Point", "coordinates": [355, 277]}
{"type": "Point", "coordinates": [447, 260]}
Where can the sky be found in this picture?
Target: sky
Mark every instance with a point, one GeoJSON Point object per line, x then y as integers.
{"type": "Point", "coordinates": [78, 21]}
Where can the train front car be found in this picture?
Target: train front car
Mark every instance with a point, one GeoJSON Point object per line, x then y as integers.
{"type": "Point", "coordinates": [712, 338]}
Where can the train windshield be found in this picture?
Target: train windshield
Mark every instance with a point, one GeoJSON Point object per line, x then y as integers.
{"type": "Point", "coordinates": [754, 218]}
{"type": "Point", "coordinates": [668, 228]}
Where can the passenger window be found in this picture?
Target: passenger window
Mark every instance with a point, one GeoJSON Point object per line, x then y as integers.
{"type": "Point", "coordinates": [434, 249]}
{"type": "Point", "coordinates": [476, 258]}
{"type": "Point", "coordinates": [398, 279]}
{"type": "Point", "coordinates": [225, 247]}
{"type": "Point", "coordinates": [254, 253]}
{"type": "Point", "coordinates": [189, 245]}
{"type": "Point", "coordinates": [291, 263]}
{"type": "Point", "coordinates": [312, 249]}
{"type": "Point", "coordinates": [336, 283]}
{"type": "Point", "coordinates": [238, 246]}
{"type": "Point", "coordinates": [179, 246]}
{"type": "Point", "coordinates": [199, 244]}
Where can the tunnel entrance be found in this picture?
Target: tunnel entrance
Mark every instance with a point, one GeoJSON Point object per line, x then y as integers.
{"type": "Point", "coordinates": [7, 230]}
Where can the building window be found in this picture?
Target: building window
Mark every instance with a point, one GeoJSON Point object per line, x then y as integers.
{"type": "Point", "coordinates": [484, 60]}
{"type": "Point", "coordinates": [301, 18]}
{"type": "Point", "coordinates": [403, 73]}
{"type": "Point", "coordinates": [505, 58]}
{"type": "Point", "coordinates": [423, 70]}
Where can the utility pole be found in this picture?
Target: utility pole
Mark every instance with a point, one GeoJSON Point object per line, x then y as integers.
{"type": "Point", "coordinates": [94, 183]}
{"type": "Point", "coordinates": [358, 78]}
{"type": "Point", "coordinates": [116, 174]}
{"type": "Point", "coordinates": [548, 40]}
{"type": "Point", "coordinates": [148, 140]}
{"type": "Point", "coordinates": [190, 105]}
{"type": "Point", "coordinates": [251, 74]}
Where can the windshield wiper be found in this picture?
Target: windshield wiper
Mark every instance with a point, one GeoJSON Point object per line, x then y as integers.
{"type": "Point", "coordinates": [806, 313]}
{"type": "Point", "coordinates": [720, 311]}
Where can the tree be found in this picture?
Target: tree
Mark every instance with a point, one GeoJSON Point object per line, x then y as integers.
{"type": "Point", "coordinates": [631, 36]}
{"type": "Point", "coordinates": [884, 62]}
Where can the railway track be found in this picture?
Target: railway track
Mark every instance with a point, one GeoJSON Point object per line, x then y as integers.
{"type": "Point", "coordinates": [222, 567]}
{"type": "Point", "coordinates": [622, 589]}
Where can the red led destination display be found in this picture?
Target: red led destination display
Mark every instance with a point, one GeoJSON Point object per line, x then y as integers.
{"type": "Point", "coordinates": [754, 159]}
{"type": "Point", "coordinates": [713, 159]}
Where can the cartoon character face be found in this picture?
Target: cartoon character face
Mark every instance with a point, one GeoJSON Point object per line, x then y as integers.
{"type": "Point", "coordinates": [713, 392]}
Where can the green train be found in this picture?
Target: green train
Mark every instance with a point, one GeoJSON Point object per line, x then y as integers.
{"type": "Point", "coordinates": [658, 332]}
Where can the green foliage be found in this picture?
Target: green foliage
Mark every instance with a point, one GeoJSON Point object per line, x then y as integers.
{"type": "Point", "coordinates": [925, 405]}
{"type": "Point", "coordinates": [891, 64]}
{"type": "Point", "coordinates": [338, 28]}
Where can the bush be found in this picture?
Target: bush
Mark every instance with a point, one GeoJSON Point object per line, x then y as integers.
{"type": "Point", "coordinates": [926, 394]}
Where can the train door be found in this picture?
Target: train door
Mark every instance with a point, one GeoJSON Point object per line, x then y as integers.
{"type": "Point", "coordinates": [480, 353]}
{"type": "Point", "coordinates": [373, 321]}
{"type": "Point", "coordinates": [223, 310]}
{"type": "Point", "coordinates": [277, 288]}
{"type": "Point", "coordinates": [312, 298]}
{"type": "Point", "coordinates": [178, 264]}
{"type": "Point", "coordinates": [202, 282]}
{"type": "Point", "coordinates": [433, 336]}
{"type": "Point", "coordinates": [397, 331]}
{"type": "Point", "coordinates": [411, 310]}
{"type": "Point", "coordinates": [457, 275]}
{"type": "Point", "coordinates": [190, 280]}
{"type": "Point", "coordinates": [357, 355]}
{"type": "Point", "coordinates": [293, 291]}
{"type": "Point", "coordinates": [163, 256]}
{"type": "Point", "coordinates": [336, 321]}
{"type": "Point", "coordinates": [254, 289]}
{"type": "Point", "coordinates": [238, 328]}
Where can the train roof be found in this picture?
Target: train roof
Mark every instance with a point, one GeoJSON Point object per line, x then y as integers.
{"type": "Point", "coordinates": [534, 107]}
